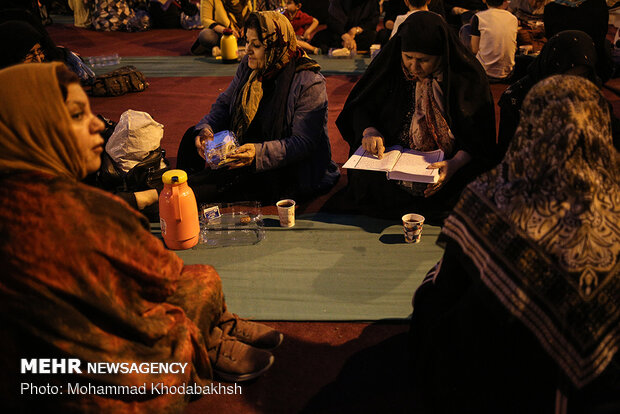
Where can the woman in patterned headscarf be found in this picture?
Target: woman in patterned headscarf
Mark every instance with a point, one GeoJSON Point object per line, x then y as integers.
{"type": "Point", "coordinates": [522, 312]}
{"type": "Point", "coordinates": [277, 107]}
{"type": "Point", "coordinates": [423, 91]}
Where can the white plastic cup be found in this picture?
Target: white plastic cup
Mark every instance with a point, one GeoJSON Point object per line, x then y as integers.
{"type": "Point", "coordinates": [286, 212]}
{"type": "Point", "coordinates": [374, 50]}
{"type": "Point", "coordinates": [412, 226]}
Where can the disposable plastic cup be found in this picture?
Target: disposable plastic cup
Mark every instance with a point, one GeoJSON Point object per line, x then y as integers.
{"type": "Point", "coordinates": [412, 226]}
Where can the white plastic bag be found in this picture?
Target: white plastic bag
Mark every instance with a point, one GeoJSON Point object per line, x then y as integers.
{"type": "Point", "coordinates": [136, 134]}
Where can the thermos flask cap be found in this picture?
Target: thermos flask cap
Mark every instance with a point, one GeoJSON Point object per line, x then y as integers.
{"type": "Point", "coordinates": [174, 177]}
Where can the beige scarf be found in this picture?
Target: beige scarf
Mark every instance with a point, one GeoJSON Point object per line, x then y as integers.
{"type": "Point", "coordinates": [35, 126]}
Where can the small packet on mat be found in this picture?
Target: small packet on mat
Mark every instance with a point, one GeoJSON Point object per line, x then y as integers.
{"type": "Point", "coordinates": [217, 151]}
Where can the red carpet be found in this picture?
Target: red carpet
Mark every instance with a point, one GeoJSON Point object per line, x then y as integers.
{"type": "Point", "coordinates": [326, 368]}
{"type": "Point", "coordinates": [179, 103]}
{"type": "Point", "coordinates": [157, 42]}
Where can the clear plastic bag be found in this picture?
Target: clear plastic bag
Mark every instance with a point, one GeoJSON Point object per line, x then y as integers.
{"type": "Point", "coordinates": [216, 151]}
{"type": "Point", "coordinates": [231, 224]}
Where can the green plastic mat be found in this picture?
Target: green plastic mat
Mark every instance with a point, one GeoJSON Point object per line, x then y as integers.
{"type": "Point", "coordinates": [326, 268]}
{"type": "Point", "coordinates": [182, 66]}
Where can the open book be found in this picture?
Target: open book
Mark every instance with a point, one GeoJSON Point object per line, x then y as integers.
{"type": "Point", "coordinates": [399, 163]}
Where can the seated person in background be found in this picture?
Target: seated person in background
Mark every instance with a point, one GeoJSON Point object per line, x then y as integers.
{"type": "Point", "coordinates": [414, 6]}
{"type": "Point", "coordinates": [519, 306]}
{"type": "Point", "coordinates": [81, 13]}
{"type": "Point", "coordinates": [589, 16]}
{"type": "Point", "coordinates": [569, 52]}
{"type": "Point", "coordinates": [21, 43]}
{"type": "Point", "coordinates": [352, 25]}
{"type": "Point", "coordinates": [166, 14]}
{"type": "Point", "coordinates": [494, 39]}
{"type": "Point", "coordinates": [528, 9]}
{"type": "Point", "coordinates": [277, 107]}
{"type": "Point", "coordinates": [266, 5]}
{"type": "Point", "coordinates": [217, 15]}
{"type": "Point", "coordinates": [395, 9]}
{"type": "Point", "coordinates": [84, 278]}
{"type": "Point", "coordinates": [424, 91]}
{"type": "Point", "coordinates": [460, 12]}
{"type": "Point", "coordinates": [303, 24]}
{"type": "Point", "coordinates": [19, 30]}
{"type": "Point", "coordinates": [119, 15]}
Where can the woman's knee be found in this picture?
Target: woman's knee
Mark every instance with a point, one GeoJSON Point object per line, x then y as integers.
{"type": "Point", "coordinates": [208, 38]}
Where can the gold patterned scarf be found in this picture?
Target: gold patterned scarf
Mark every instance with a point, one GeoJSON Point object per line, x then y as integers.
{"type": "Point", "coordinates": [40, 139]}
{"type": "Point", "coordinates": [280, 48]}
{"type": "Point", "coordinates": [543, 228]}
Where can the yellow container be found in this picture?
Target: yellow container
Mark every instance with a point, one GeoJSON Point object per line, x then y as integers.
{"type": "Point", "coordinates": [228, 46]}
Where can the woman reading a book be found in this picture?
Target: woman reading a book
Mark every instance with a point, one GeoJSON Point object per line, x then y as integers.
{"type": "Point", "coordinates": [423, 91]}
{"type": "Point", "coordinates": [518, 315]}
{"type": "Point", "coordinates": [277, 107]}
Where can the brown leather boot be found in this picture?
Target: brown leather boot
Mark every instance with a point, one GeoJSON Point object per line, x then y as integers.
{"type": "Point", "coordinates": [234, 361]}
{"type": "Point", "coordinates": [251, 333]}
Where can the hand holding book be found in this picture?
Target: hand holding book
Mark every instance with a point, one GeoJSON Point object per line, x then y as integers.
{"type": "Point", "coordinates": [446, 168]}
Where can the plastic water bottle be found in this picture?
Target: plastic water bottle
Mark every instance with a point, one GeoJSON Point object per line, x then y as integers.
{"type": "Point", "coordinates": [108, 60]}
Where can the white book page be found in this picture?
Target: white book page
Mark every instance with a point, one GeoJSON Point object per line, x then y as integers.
{"type": "Point", "coordinates": [411, 166]}
{"type": "Point", "coordinates": [364, 160]}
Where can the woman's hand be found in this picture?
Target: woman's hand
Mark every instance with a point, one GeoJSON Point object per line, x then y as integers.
{"type": "Point", "coordinates": [146, 198]}
{"type": "Point", "coordinates": [348, 41]}
{"type": "Point", "coordinates": [205, 134]}
{"type": "Point", "coordinates": [244, 156]}
{"type": "Point", "coordinates": [446, 168]}
{"type": "Point", "coordinates": [373, 142]}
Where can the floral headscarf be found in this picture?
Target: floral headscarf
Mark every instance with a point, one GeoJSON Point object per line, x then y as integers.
{"type": "Point", "coordinates": [543, 228]}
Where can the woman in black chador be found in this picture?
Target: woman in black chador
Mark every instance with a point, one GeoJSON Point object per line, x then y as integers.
{"type": "Point", "coordinates": [424, 91]}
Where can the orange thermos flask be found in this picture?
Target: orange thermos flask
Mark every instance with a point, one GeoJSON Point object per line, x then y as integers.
{"type": "Point", "coordinates": [178, 211]}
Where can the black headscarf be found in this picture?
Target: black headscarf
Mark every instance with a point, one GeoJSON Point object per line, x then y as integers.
{"type": "Point", "coordinates": [17, 40]}
{"type": "Point", "coordinates": [562, 52]}
{"type": "Point", "coordinates": [383, 97]}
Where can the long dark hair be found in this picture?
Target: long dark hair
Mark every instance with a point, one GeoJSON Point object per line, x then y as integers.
{"type": "Point", "coordinates": [65, 78]}
{"type": "Point", "coordinates": [252, 22]}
